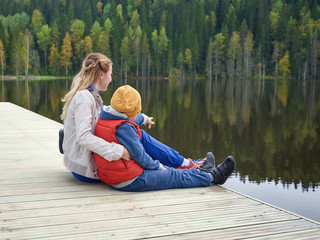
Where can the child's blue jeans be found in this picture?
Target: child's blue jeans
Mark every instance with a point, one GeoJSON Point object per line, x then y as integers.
{"type": "Point", "coordinates": [171, 178]}
{"type": "Point", "coordinates": [157, 150]}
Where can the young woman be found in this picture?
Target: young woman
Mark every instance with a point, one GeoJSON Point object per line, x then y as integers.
{"type": "Point", "coordinates": [82, 105]}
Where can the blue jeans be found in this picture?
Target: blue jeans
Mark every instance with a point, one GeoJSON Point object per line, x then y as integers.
{"type": "Point", "coordinates": [157, 150]}
{"type": "Point", "coordinates": [171, 178]}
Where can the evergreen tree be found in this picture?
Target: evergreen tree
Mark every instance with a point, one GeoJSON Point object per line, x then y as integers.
{"type": "Point", "coordinates": [95, 32]}
{"type": "Point", "coordinates": [36, 21]}
{"type": "Point", "coordinates": [171, 27]}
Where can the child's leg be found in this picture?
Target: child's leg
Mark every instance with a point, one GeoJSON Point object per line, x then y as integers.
{"type": "Point", "coordinates": [157, 150]}
{"type": "Point", "coordinates": [171, 178]}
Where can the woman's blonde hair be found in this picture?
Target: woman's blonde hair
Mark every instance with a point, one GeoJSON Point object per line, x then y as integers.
{"type": "Point", "coordinates": [89, 74]}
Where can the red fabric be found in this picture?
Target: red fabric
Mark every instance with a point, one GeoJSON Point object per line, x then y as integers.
{"type": "Point", "coordinates": [114, 172]}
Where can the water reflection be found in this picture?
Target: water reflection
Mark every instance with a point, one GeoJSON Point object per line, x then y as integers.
{"type": "Point", "coordinates": [271, 127]}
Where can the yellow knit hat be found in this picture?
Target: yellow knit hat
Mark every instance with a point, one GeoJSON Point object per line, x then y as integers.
{"type": "Point", "coordinates": [126, 100]}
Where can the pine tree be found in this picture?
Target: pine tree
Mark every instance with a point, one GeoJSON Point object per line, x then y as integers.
{"type": "Point", "coordinates": [37, 21]}
{"type": "Point", "coordinates": [95, 32]}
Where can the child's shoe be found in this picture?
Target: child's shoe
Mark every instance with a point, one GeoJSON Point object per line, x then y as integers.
{"type": "Point", "coordinates": [208, 164]}
{"type": "Point", "coordinates": [223, 170]}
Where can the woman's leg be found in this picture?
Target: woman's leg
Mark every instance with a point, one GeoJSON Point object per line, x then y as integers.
{"type": "Point", "coordinates": [171, 178]}
{"type": "Point", "coordinates": [157, 150]}
{"type": "Point", "coordinates": [85, 179]}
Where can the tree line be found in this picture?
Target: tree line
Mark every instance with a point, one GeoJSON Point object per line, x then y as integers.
{"type": "Point", "coordinates": [219, 38]}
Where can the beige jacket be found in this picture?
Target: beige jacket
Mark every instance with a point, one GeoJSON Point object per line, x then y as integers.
{"type": "Point", "coordinates": [79, 140]}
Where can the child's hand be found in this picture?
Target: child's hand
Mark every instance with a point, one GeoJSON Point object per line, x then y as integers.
{"type": "Point", "coordinates": [126, 155]}
{"type": "Point", "coordinates": [149, 122]}
{"type": "Point", "coordinates": [163, 168]}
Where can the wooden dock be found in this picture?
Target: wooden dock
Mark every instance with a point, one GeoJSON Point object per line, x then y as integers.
{"type": "Point", "coordinates": [39, 199]}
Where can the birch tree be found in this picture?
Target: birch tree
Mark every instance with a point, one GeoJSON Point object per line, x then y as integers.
{"type": "Point", "coordinates": [209, 60]}
{"type": "Point", "coordinates": [218, 54]}
{"type": "Point", "coordinates": [284, 65]}
{"type": "Point", "coordinates": [66, 53]}
{"type": "Point", "coordinates": [44, 40]}
{"type": "Point", "coordinates": [248, 49]}
{"type": "Point", "coordinates": [125, 53]}
{"type": "Point", "coordinates": [233, 54]}
{"type": "Point", "coordinates": [275, 56]}
{"type": "Point", "coordinates": [54, 58]}
{"type": "Point", "coordinates": [2, 58]}
{"type": "Point", "coordinates": [313, 27]}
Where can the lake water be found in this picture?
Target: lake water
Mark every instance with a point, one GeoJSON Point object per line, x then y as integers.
{"type": "Point", "coordinates": [271, 127]}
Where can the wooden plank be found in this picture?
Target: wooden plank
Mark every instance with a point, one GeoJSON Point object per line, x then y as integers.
{"type": "Point", "coordinates": [172, 211]}
{"type": "Point", "coordinates": [81, 198]}
{"type": "Point", "coordinates": [242, 232]}
{"type": "Point", "coordinates": [146, 226]}
{"type": "Point", "coordinates": [115, 209]}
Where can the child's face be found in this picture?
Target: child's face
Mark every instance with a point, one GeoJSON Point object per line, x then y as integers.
{"type": "Point", "coordinates": [133, 118]}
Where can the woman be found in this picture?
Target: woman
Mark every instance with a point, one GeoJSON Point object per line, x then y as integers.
{"type": "Point", "coordinates": [82, 105]}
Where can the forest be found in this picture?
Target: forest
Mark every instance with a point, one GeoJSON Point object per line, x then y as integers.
{"type": "Point", "coordinates": [213, 38]}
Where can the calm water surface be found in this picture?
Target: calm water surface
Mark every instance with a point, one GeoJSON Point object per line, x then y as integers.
{"type": "Point", "coordinates": [271, 128]}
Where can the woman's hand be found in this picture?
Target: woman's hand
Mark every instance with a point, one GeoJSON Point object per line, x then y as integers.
{"type": "Point", "coordinates": [149, 121]}
{"type": "Point", "coordinates": [126, 155]}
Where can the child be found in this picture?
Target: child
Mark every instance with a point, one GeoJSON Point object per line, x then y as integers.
{"type": "Point", "coordinates": [116, 124]}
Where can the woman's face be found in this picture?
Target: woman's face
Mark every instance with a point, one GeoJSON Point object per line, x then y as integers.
{"type": "Point", "coordinates": [105, 80]}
